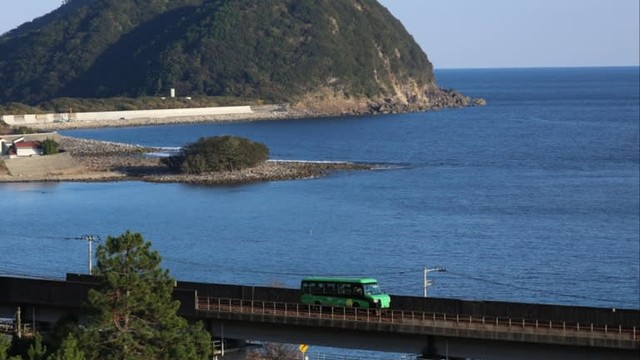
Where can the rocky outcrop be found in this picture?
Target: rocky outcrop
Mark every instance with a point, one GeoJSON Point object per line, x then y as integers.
{"type": "Point", "coordinates": [431, 100]}
{"type": "Point", "coordinates": [268, 171]}
{"type": "Point", "coordinates": [328, 102]}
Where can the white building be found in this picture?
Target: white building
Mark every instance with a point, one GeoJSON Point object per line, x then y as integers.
{"type": "Point", "coordinates": [20, 148]}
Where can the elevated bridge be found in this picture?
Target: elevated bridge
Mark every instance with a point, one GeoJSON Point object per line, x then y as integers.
{"type": "Point", "coordinates": [432, 327]}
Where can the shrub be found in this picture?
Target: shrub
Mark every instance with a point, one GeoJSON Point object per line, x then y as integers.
{"type": "Point", "coordinates": [219, 153]}
{"type": "Point", "coordinates": [49, 147]}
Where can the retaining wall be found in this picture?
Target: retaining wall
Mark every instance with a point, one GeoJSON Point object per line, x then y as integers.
{"type": "Point", "coordinates": [35, 119]}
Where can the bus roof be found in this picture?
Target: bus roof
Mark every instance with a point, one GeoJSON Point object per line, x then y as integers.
{"type": "Point", "coordinates": [357, 280]}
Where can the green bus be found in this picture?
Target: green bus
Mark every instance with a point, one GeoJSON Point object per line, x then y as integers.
{"type": "Point", "coordinates": [343, 292]}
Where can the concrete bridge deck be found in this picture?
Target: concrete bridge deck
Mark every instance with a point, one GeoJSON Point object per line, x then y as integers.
{"type": "Point", "coordinates": [459, 328]}
{"type": "Point", "coordinates": [417, 332]}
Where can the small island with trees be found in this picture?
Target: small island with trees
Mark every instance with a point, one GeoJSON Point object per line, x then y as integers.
{"type": "Point", "coordinates": [210, 160]}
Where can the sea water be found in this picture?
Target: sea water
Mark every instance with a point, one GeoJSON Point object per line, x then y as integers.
{"type": "Point", "coordinates": [531, 198]}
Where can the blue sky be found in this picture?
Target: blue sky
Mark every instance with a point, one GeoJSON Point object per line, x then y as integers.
{"type": "Point", "coordinates": [486, 33]}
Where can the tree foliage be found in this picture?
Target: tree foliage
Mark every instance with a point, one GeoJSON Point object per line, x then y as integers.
{"type": "Point", "coordinates": [69, 350]}
{"type": "Point", "coordinates": [5, 344]}
{"type": "Point", "coordinates": [274, 351]}
{"type": "Point", "coordinates": [37, 350]}
{"type": "Point", "coordinates": [134, 314]}
{"type": "Point", "coordinates": [50, 147]}
{"type": "Point", "coordinates": [38, 59]}
{"type": "Point", "coordinates": [219, 153]}
{"type": "Point", "coordinates": [276, 50]}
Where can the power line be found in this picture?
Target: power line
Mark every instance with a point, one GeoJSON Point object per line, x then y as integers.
{"type": "Point", "coordinates": [288, 273]}
{"type": "Point", "coordinates": [519, 287]}
{"type": "Point", "coordinates": [43, 237]}
{"type": "Point", "coordinates": [29, 275]}
{"type": "Point", "coordinates": [92, 238]}
{"type": "Point", "coordinates": [89, 238]}
{"type": "Point", "coordinates": [396, 272]}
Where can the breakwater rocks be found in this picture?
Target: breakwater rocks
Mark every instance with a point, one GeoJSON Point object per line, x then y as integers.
{"type": "Point", "coordinates": [268, 171]}
{"type": "Point", "coordinates": [129, 162]}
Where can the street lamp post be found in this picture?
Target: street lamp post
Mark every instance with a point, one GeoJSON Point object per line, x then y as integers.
{"type": "Point", "coordinates": [426, 282]}
{"type": "Point", "coordinates": [90, 239]}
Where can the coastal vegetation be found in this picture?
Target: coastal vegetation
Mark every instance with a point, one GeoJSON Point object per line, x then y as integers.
{"type": "Point", "coordinates": [218, 153]}
{"type": "Point", "coordinates": [50, 147]}
{"type": "Point", "coordinates": [337, 56]}
{"type": "Point", "coordinates": [14, 130]}
{"type": "Point", "coordinates": [131, 314]}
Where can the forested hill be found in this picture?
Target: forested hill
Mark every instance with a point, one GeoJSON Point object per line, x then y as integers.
{"type": "Point", "coordinates": [346, 52]}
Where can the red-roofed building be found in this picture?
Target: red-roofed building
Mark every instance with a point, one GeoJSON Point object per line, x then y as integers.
{"type": "Point", "coordinates": [28, 148]}
{"type": "Point", "coordinates": [20, 148]}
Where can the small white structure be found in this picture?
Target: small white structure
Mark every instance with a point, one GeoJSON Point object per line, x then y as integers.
{"type": "Point", "coordinates": [4, 147]}
{"type": "Point", "coordinates": [20, 148]}
{"type": "Point", "coordinates": [173, 92]}
{"type": "Point", "coordinates": [28, 148]}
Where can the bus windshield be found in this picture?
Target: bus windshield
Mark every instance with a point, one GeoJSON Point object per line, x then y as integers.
{"type": "Point", "coordinates": [372, 289]}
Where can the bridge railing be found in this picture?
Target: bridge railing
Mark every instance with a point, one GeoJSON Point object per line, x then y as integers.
{"type": "Point", "coordinates": [442, 320]}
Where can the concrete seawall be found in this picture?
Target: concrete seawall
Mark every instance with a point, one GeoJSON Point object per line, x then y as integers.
{"type": "Point", "coordinates": [43, 119]}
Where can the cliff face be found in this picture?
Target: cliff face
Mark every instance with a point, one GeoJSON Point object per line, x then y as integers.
{"type": "Point", "coordinates": [352, 55]}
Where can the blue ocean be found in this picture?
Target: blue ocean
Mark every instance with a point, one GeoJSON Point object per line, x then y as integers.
{"type": "Point", "coordinates": [531, 198]}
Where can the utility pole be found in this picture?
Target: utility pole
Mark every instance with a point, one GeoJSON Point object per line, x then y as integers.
{"type": "Point", "coordinates": [90, 239]}
{"type": "Point", "coordinates": [19, 323]}
{"type": "Point", "coordinates": [426, 282]}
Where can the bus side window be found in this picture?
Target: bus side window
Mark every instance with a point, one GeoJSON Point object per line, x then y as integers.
{"type": "Point", "coordinates": [345, 289]}
{"type": "Point", "coordinates": [308, 288]}
{"type": "Point", "coordinates": [358, 290]}
{"type": "Point", "coordinates": [312, 288]}
{"type": "Point", "coordinates": [331, 288]}
{"type": "Point", "coordinates": [342, 289]}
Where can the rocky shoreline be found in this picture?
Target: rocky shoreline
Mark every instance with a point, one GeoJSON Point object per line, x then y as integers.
{"type": "Point", "coordinates": [108, 161]}
{"type": "Point", "coordinates": [329, 106]}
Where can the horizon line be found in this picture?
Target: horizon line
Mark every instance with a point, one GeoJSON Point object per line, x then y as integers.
{"type": "Point", "coordinates": [536, 67]}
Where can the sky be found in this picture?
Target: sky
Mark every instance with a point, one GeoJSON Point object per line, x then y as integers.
{"type": "Point", "coordinates": [486, 33]}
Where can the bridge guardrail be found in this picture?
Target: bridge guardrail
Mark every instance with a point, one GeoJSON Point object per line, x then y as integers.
{"type": "Point", "coordinates": [393, 316]}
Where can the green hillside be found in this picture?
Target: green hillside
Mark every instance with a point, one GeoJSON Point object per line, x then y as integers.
{"type": "Point", "coordinates": [274, 50]}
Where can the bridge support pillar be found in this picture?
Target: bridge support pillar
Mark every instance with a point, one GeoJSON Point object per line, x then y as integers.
{"type": "Point", "coordinates": [432, 352]}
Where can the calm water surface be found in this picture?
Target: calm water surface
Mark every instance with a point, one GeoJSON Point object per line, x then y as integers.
{"type": "Point", "coordinates": [532, 198]}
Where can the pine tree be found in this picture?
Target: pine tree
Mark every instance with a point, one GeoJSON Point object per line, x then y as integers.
{"type": "Point", "coordinates": [69, 350]}
{"type": "Point", "coordinates": [5, 344]}
{"type": "Point", "coordinates": [37, 351]}
{"type": "Point", "coordinates": [135, 316]}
